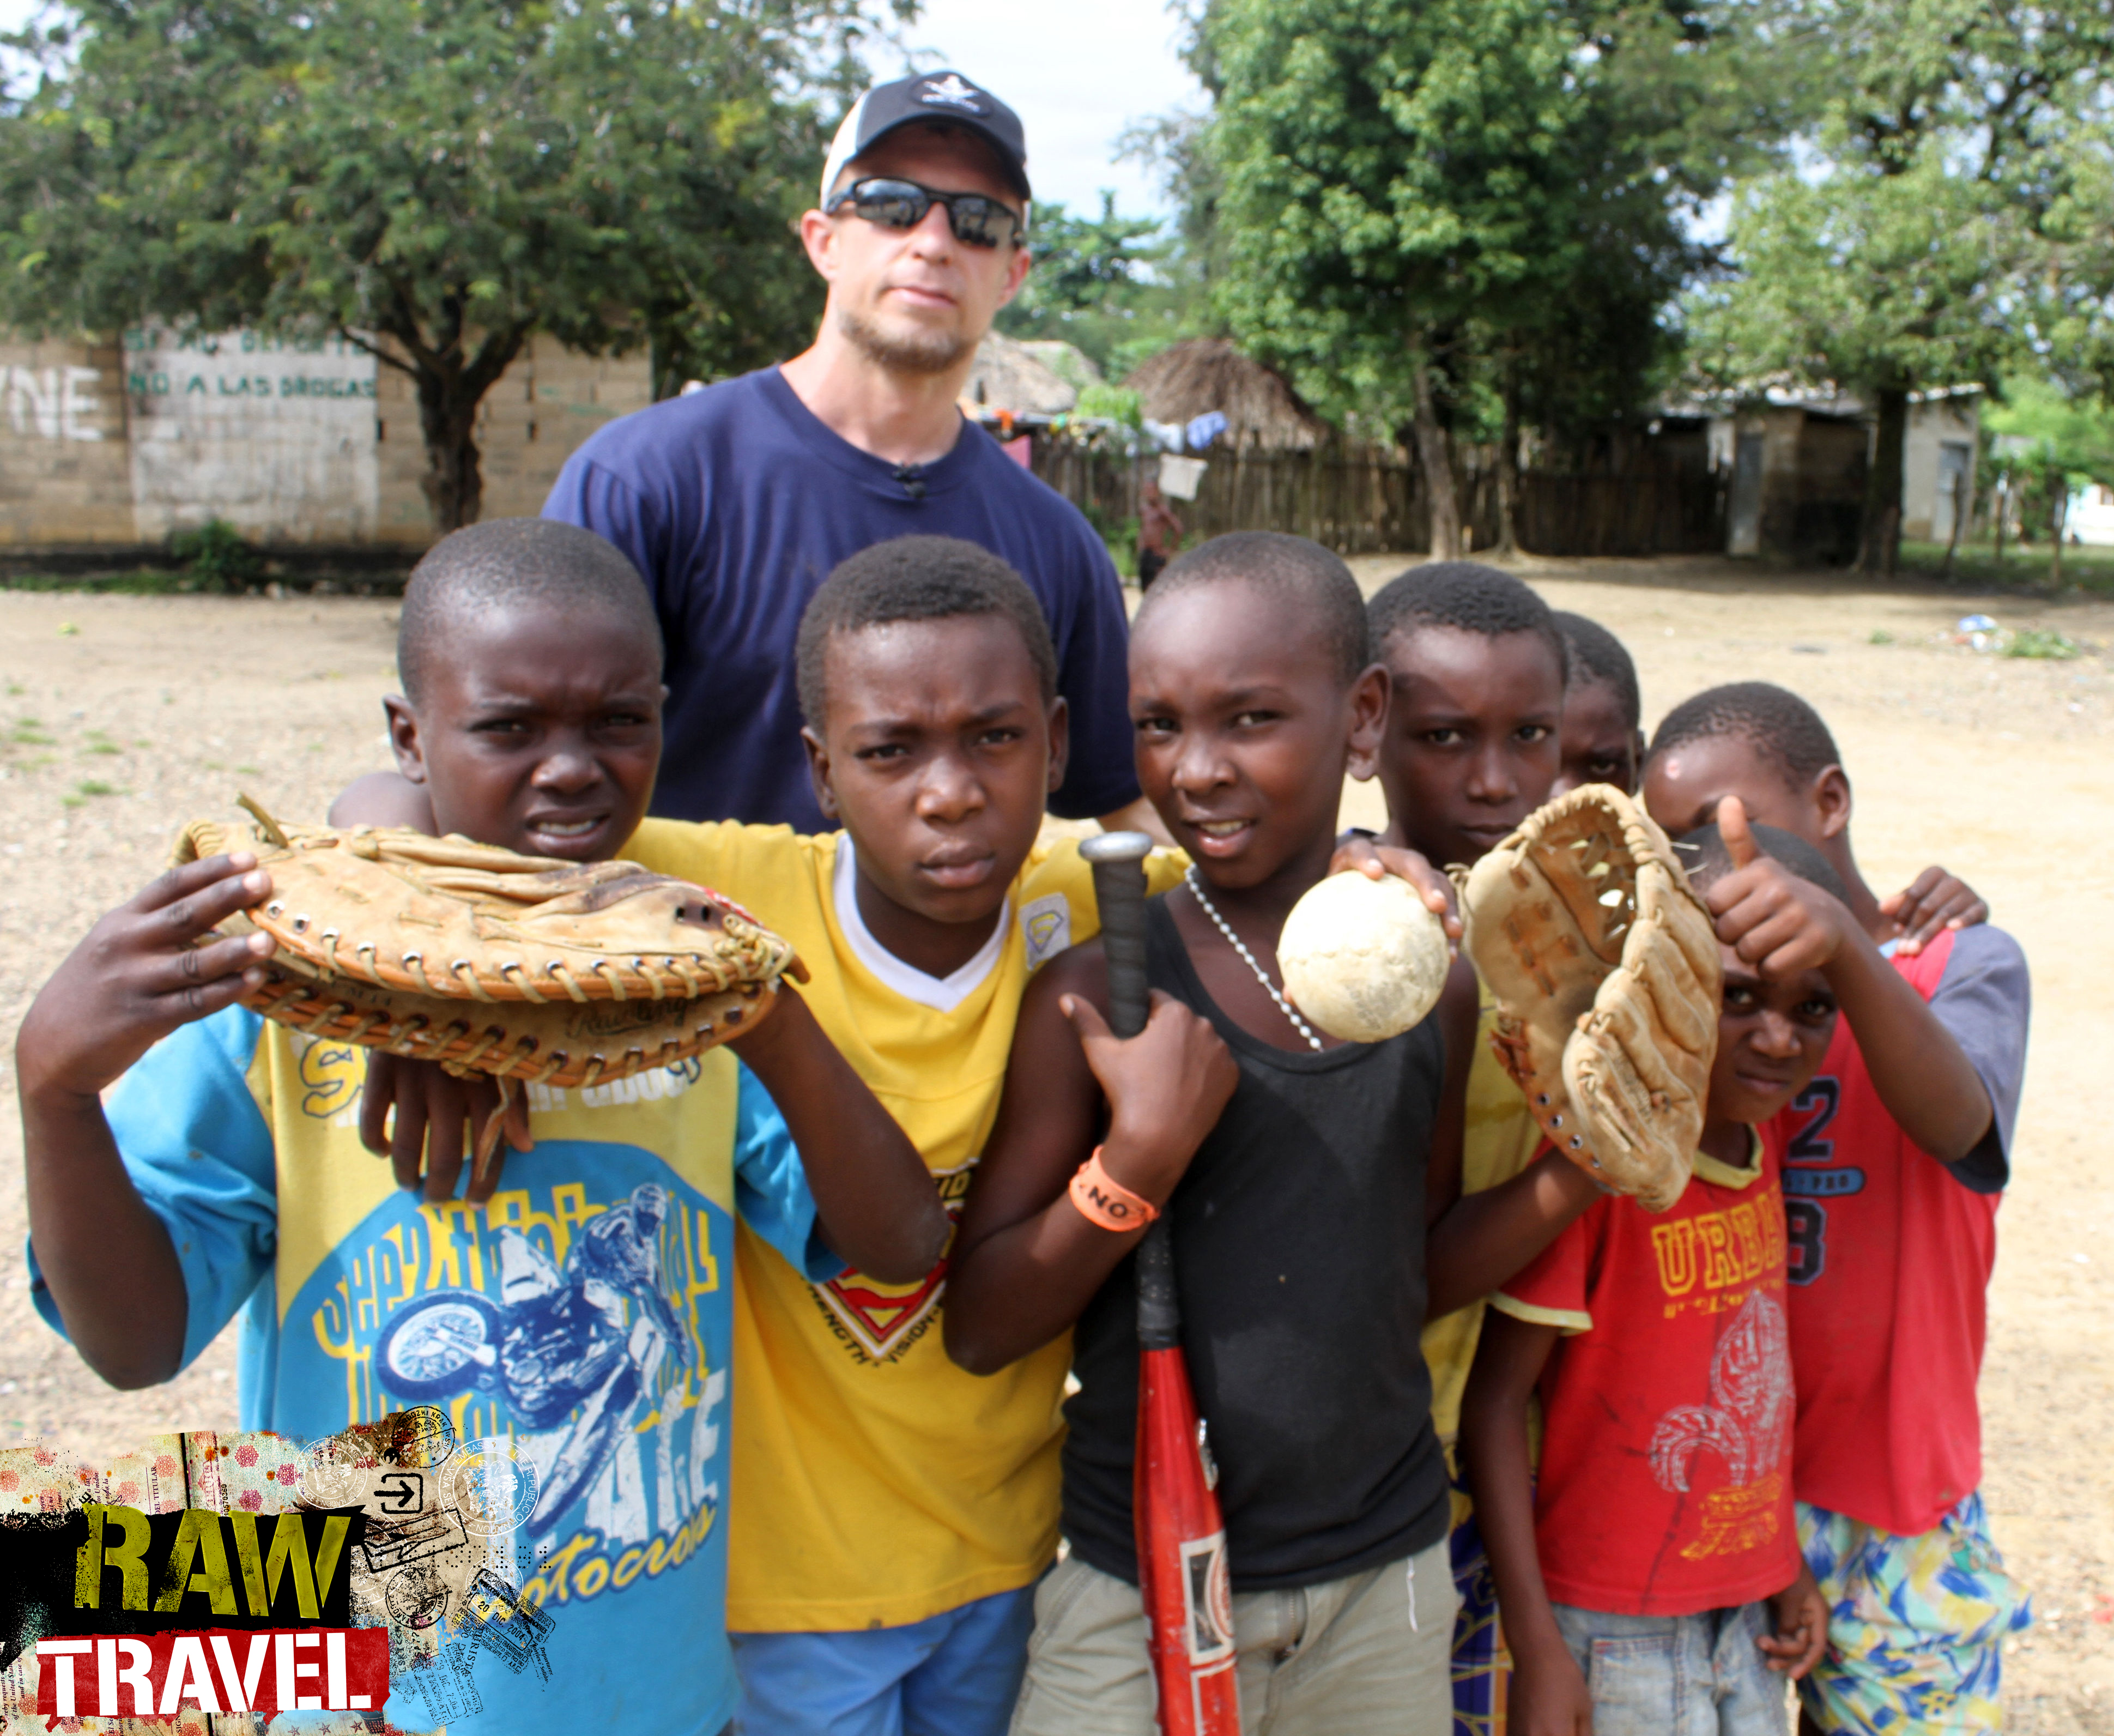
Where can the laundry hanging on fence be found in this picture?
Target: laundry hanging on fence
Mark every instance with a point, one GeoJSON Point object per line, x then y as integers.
{"type": "Point", "coordinates": [1202, 430]}
{"type": "Point", "coordinates": [1178, 477]}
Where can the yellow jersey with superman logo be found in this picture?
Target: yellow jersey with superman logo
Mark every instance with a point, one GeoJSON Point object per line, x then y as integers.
{"type": "Point", "coordinates": [876, 1483]}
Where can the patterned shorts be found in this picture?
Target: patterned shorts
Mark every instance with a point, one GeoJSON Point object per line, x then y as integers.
{"type": "Point", "coordinates": [1916, 1625]}
{"type": "Point", "coordinates": [1482, 1670]}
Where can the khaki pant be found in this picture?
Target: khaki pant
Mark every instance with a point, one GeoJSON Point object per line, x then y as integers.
{"type": "Point", "coordinates": [1367, 1655]}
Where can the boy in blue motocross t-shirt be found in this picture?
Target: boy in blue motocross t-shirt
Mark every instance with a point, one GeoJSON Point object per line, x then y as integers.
{"type": "Point", "coordinates": [580, 1320]}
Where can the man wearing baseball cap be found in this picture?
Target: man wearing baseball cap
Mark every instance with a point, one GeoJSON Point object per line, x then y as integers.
{"type": "Point", "coordinates": [735, 503]}
{"type": "Point", "coordinates": [883, 1579]}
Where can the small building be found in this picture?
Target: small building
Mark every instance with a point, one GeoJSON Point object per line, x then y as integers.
{"type": "Point", "coordinates": [2092, 515]}
{"type": "Point", "coordinates": [1201, 375]}
{"type": "Point", "coordinates": [1010, 379]}
{"type": "Point", "coordinates": [1938, 465]}
{"type": "Point", "coordinates": [1794, 462]}
{"type": "Point", "coordinates": [1068, 362]}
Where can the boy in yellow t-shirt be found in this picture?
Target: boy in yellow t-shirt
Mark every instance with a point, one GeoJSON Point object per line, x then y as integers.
{"type": "Point", "coordinates": [900, 1510]}
{"type": "Point", "coordinates": [892, 1513]}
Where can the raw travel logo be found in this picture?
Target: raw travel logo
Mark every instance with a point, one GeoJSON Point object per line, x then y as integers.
{"type": "Point", "coordinates": [140, 1613]}
{"type": "Point", "coordinates": [215, 1574]}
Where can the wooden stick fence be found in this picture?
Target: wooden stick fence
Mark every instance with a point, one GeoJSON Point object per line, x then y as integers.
{"type": "Point", "coordinates": [1663, 500]}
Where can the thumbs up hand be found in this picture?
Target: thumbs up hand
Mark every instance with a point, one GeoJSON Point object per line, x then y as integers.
{"type": "Point", "coordinates": [1738, 835]}
{"type": "Point", "coordinates": [1775, 921]}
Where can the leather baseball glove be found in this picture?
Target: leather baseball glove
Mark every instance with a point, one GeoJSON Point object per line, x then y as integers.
{"type": "Point", "coordinates": [1604, 964]}
{"type": "Point", "coordinates": [523, 967]}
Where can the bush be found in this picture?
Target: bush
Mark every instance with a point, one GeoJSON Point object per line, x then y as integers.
{"type": "Point", "coordinates": [2042, 641]}
{"type": "Point", "coordinates": [217, 554]}
{"type": "Point", "coordinates": [1114, 402]}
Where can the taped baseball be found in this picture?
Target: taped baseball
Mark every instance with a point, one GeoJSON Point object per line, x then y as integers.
{"type": "Point", "coordinates": [1363, 958]}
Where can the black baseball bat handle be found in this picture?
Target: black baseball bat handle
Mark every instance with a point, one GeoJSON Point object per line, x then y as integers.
{"type": "Point", "coordinates": [1119, 864]}
{"type": "Point", "coordinates": [1159, 1309]}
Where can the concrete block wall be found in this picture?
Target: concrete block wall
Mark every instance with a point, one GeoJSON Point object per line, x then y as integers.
{"type": "Point", "coordinates": [275, 437]}
{"type": "Point", "coordinates": [546, 403]}
{"type": "Point", "coordinates": [119, 443]}
{"type": "Point", "coordinates": [64, 470]}
{"type": "Point", "coordinates": [1934, 423]}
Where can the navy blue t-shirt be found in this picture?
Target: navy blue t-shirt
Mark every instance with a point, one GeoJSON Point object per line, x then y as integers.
{"type": "Point", "coordinates": [736, 502]}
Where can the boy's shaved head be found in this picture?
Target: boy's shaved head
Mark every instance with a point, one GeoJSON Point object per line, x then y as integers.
{"type": "Point", "coordinates": [917, 579]}
{"type": "Point", "coordinates": [934, 734]}
{"type": "Point", "coordinates": [547, 630]}
{"type": "Point", "coordinates": [502, 564]}
{"type": "Point", "coordinates": [1780, 727]}
{"type": "Point", "coordinates": [1474, 725]}
{"type": "Point", "coordinates": [1253, 692]}
{"type": "Point", "coordinates": [1704, 853]}
{"type": "Point", "coordinates": [1598, 655]}
{"type": "Point", "coordinates": [1292, 567]}
{"type": "Point", "coordinates": [1464, 595]}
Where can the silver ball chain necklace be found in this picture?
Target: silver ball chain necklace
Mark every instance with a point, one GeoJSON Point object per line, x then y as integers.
{"type": "Point", "coordinates": [1196, 885]}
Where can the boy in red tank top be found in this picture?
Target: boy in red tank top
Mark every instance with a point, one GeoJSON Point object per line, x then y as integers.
{"type": "Point", "coordinates": [1894, 1157]}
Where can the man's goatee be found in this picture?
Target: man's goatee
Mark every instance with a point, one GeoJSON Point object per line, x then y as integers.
{"type": "Point", "coordinates": [923, 352]}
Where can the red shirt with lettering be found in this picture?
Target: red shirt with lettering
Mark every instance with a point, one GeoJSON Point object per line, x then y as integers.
{"type": "Point", "coordinates": [1891, 1255]}
{"type": "Point", "coordinates": [1665, 1481]}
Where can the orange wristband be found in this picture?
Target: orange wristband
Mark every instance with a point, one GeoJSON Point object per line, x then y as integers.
{"type": "Point", "coordinates": [1103, 1200]}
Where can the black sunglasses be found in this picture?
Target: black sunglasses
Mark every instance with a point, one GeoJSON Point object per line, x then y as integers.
{"type": "Point", "coordinates": [977, 221]}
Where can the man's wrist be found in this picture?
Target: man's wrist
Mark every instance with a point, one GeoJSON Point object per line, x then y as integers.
{"type": "Point", "coordinates": [53, 1053]}
{"type": "Point", "coordinates": [1106, 1203]}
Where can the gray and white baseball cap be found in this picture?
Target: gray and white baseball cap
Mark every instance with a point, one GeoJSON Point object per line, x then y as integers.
{"type": "Point", "coordinates": [941, 97]}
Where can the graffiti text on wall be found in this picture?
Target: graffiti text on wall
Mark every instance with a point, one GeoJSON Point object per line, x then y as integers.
{"type": "Point", "coordinates": [51, 403]}
{"type": "Point", "coordinates": [242, 365]}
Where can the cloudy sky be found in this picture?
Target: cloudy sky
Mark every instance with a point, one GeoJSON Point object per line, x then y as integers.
{"type": "Point", "coordinates": [1079, 72]}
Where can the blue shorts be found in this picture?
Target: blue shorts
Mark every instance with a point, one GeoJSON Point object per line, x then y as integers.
{"type": "Point", "coordinates": [1677, 1675]}
{"type": "Point", "coordinates": [1915, 1627]}
{"type": "Point", "coordinates": [952, 1675]}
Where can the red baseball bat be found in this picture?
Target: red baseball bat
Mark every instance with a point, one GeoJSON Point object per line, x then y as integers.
{"type": "Point", "coordinates": [1181, 1571]}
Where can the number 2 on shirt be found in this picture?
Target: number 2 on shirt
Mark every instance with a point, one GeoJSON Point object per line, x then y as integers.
{"type": "Point", "coordinates": [1805, 1220]}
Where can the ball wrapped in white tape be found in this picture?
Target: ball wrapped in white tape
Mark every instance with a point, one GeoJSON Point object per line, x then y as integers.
{"type": "Point", "coordinates": [1363, 959]}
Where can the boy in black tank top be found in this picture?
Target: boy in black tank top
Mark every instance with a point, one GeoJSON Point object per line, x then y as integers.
{"type": "Point", "coordinates": [1313, 1189]}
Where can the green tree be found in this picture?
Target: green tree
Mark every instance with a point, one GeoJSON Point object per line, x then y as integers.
{"type": "Point", "coordinates": [1416, 196]}
{"type": "Point", "coordinates": [2050, 444]}
{"type": "Point", "coordinates": [1901, 251]}
{"type": "Point", "coordinates": [1100, 283]}
{"type": "Point", "coordinates": [433, 180]}
{"type": "Point", "coordinates": [1192, 251]}
{"type": "Point", "coordinates": [2067, 306]}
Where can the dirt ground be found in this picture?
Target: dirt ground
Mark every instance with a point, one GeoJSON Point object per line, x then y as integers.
{"type": "Point", "coordinates": [121, 716]}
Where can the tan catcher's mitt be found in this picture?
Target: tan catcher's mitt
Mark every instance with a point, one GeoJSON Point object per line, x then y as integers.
{"type": "Point", "coordinates": [1604, 964]}
{"type": "Point", "coordinates": [522, 966]}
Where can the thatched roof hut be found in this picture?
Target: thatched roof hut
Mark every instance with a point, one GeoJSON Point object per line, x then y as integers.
{"type": "Point", "coordinates": [1068, 362]}
{"type": "Point", "coordinates": [1202, 374]}
{"type": "Point", "coordinates": [1008, 376]}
